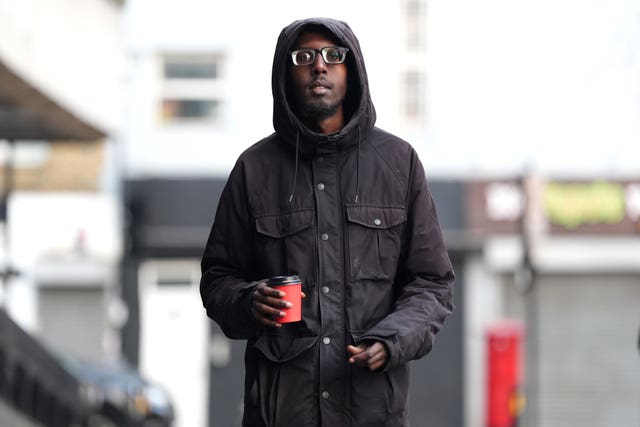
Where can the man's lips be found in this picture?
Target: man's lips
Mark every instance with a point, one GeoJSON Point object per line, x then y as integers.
{"type": "Point", "coordinates": [319, 87]}
{"type": "Point", "coordinates": [320, 82]}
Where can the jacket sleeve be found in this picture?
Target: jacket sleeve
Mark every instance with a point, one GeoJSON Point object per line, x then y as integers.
{"type": "Point", "coordinates": [423, 283]}
{"type": "Point", "coordinates": [227, 268]}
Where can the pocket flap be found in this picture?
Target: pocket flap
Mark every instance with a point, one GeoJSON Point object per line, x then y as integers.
{"type": "Point", "coordinates": [283, 348]}
{"type": "Point", "coordinates": [284, 224]}
{"type": "Point", "coordinates": [376, 216]}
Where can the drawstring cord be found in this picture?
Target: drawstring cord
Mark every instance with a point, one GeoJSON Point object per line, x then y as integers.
{"type": "Point", "coordinates": [357, 168]}
{"type": "Point", "coordinates": [293, 190]}
{"type": "Point", "coordinates": [295, 170]}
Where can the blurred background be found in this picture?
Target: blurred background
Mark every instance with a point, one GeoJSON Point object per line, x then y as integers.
{"type": "Point", "coordinates": [120, 121]}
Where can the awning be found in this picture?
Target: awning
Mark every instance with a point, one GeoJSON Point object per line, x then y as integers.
{"type": "Point", "coordinates": [27, 113]}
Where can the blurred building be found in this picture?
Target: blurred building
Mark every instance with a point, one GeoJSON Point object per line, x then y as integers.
{"type": "Point", "coordinates": [547, 91]}
{"type": "Point", "coordinates": [61, 86]}
{"type": "Point", "coordinates": [61, 76]}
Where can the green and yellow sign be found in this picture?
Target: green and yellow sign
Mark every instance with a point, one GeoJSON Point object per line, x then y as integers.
{"type": "Point", "coordinates": [572, 205]}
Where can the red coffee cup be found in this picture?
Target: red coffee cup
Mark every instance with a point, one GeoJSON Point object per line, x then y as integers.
{"type": "Point", "coordinates": [292, 287]}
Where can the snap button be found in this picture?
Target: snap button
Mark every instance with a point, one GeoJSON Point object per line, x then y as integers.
{"type": "Point", "coordinates": [377, 221]}
{"type": "Point", "coordinates": [325, 395]}
{"type": "Point", "coordinates": [326, 340]}
{"type": "Point", "coordinates": [324, 236]}
{"type": "Point", "coordinates": [320, 186]}
{"type": "Point", "coordinates": [325, 289]}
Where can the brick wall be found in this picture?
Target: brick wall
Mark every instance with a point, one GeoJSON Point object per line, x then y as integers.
{"type": "Point", "coordinates": [71, 166]}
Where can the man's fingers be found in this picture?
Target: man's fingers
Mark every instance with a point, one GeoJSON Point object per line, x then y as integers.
{"type": "Point", "coordinates": [375, 366]}
{"type": "Point", "coordinates": [263, 289]}
{"type": "Point", "coordinates": [268, 310]}
{"type": "Point", "coordinates": [270, 301]}
{"type": "Point", "coordinates": [376, 358]}
{"type": "Point", "coordinates": [266, 304]}
{"type": "Point", "coordinates": [359, 355]}
{"type": "Point", "coordinates": [268, 321]}
{"type": "Point", "coordinates": [376, 348]}
{"type": "Point", "coordinates": [356, 350]}
{"type": "Point", "coordinates": [372, 357]}
{"type": "Point", "coordinates": [275, 302]}
{"type": "Point", "coordinates": [269, 296]}
{"type": "Point", "coordinates": [359, 360]}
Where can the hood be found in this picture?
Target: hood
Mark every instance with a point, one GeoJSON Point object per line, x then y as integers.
{"type": "Point", "coordinates": [360, 115]}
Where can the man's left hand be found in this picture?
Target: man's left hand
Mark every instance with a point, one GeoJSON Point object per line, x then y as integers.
{"type": "Point", "coordinates": [371, 355]}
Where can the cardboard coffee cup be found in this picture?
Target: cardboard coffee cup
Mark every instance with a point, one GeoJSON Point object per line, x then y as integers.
{"type": "Point", "coordinates": [292, 287]}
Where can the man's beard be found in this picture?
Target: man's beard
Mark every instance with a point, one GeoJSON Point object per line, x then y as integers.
{"type": "Point", "coordinates": [313, 112]}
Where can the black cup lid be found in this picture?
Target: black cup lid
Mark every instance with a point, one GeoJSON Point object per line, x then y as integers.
{"type": "Point", "coordinates": [283, 280]}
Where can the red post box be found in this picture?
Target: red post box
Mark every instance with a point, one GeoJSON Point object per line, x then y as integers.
{"type": "Point", "coordinates": [504, 374]}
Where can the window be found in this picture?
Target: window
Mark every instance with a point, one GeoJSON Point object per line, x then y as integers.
{"type": "Point", "coordinates": [26, 154]}
{"type": "Point", "coordinates": [192, 89]}
{"type": "Point", "coordinates": [191, 67]}
{"type": "Point", "coordinates": [414, 95]}
{"type": "Point", "coordinates": [415, 24]}
{"type": "Point", "coordinates": [167, 273]}
{"type": "Point", "coordinates": [175, 109]}
{"type": "Point", "coordinates": [414, 7]}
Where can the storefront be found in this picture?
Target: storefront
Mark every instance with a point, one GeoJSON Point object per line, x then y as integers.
{"type": "Point", "coordinates": [564, 258]}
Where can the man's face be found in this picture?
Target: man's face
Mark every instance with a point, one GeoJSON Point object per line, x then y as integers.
{"type": "Point", "coordinates": [318, 88]}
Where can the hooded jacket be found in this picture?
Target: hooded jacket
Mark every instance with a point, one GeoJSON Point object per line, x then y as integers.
{"type": "Point", "coordinates": [352, 215]}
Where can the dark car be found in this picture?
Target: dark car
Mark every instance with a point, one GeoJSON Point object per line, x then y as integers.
{"type": "Point", "coordinates": [119, 396]}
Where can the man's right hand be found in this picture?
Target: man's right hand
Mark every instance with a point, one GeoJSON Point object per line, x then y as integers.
{"type": "Point", "coordinates": [266, 305]}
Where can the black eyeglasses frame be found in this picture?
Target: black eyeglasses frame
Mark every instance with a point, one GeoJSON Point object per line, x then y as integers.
{"type": "Point", "coordinates": [323, 53]}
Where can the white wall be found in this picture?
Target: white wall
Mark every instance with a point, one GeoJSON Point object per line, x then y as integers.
{"type": "Point", "coordinates": [46, 228]}
{"type": "Point", "coordinates": [550, 84]}
{"type": "Point", "coordinates": [547, 85]}
{"type": "Point", "coordinates": [233, 29]}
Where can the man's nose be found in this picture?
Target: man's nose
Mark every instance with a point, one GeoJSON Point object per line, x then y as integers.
{"type": "Point", "coordinates": [319, 66]}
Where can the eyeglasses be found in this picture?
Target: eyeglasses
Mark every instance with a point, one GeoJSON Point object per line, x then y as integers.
{"type": "Point", "coordinates": [330, 54]}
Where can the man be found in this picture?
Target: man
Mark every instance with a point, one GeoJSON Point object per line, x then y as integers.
{"type": "Point", "coordinates": [345, 206]}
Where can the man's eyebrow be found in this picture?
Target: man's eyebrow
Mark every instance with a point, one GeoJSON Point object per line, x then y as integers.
{"type": "Point", "coordinates": [314, 48]}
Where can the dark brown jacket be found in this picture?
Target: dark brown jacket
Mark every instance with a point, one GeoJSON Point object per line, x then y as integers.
{"type": "Point", "coordinates": [352, 215]}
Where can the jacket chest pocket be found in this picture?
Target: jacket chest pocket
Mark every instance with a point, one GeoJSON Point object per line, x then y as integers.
{"type": "Point", "coordinates": [375, 240]}
{"type": "Point", "coordinates": [285, 243]}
